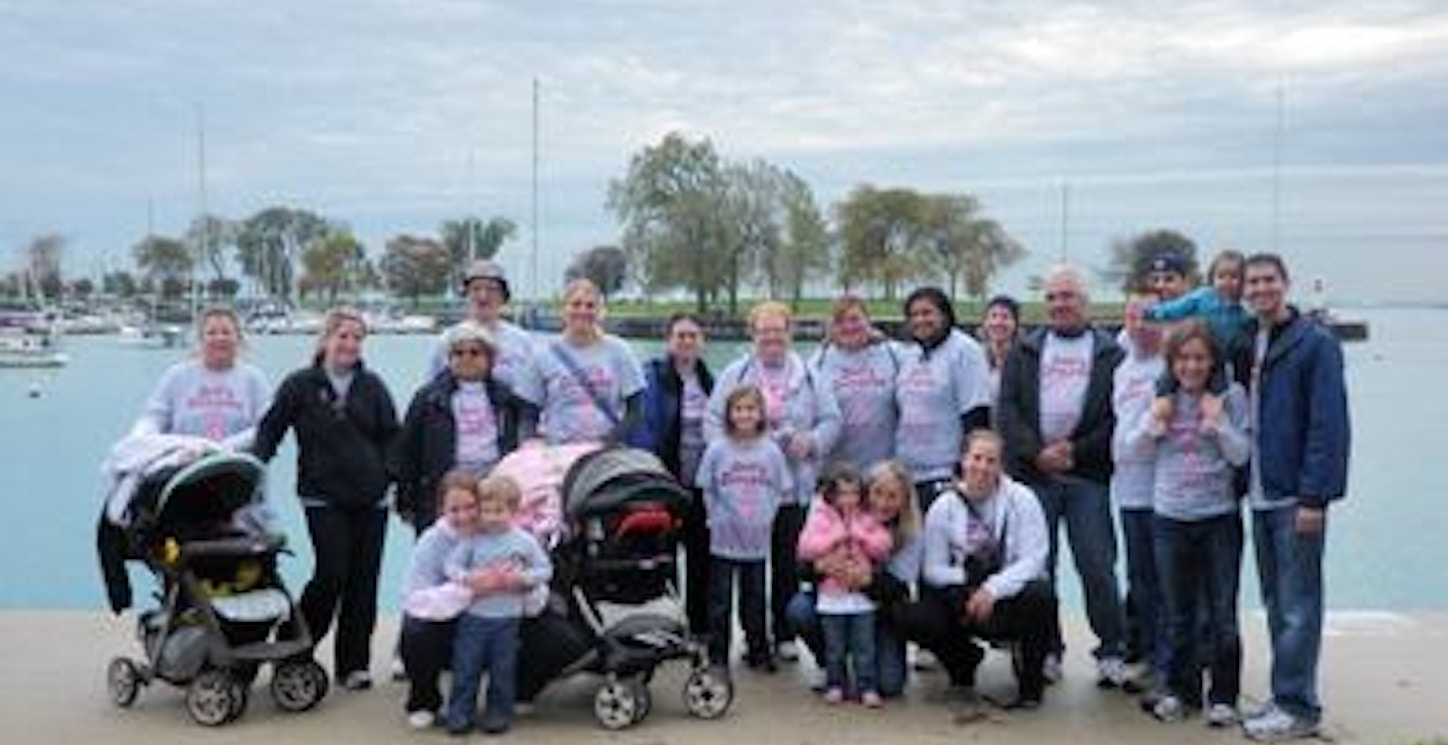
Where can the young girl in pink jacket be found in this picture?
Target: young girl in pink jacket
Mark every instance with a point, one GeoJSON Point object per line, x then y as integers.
{"type": "Point", "coordinates": [846, 542]}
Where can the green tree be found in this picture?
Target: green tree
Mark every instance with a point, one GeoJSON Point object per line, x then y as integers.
{"type": "Point", "coordinates": [753, 224]}
{"type": "Point", "coordinates": [605, 266]}
{"type": "Point", "coordinates": [670, 204]}
{"type": "Point", "coordinates": [269, 242]}
{"type": "Point", "coordinates": [43, 258]}
{"type": "Point", "coordinates": [1131, 257]}
{"type": "Point", "coordinates": [331, 263]}
{"type": "Point", "coordinates": [160, 258]}
{"type": "Point", "coordinates": [121, 284]}
{"type": "Point", "coordinates": [881, 237]}
{"type": "Point", "coordinates": [215, 240]}
{"type": "Point", "coordinates": [959, 241]}
{"type": "Point", "coordinates": [471, 238]}
{"type": "Point", "coordinates": [805, 251]}
{"type": "Point", "coordinates": [413, 266]}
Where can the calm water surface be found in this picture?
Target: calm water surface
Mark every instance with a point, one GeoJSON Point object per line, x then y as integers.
{"type": "Point", "coordinates": [1388, 544]}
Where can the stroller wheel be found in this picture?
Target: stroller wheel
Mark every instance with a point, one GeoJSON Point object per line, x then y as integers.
{"type": "Point", "coordinates": [123, 680]}
{"type": "Point", "coordinates": [212, 697]}
{"type": "Point", "coordinates": [239, 701]}
{"type": "Point", "coordinates": [645, 698]}
{"type": "Point", "coordinates": [616, 705]}
{"type": "Point", "coordinates": [708, 693]}
{"type": "Point", "coordinates": [298, 685]}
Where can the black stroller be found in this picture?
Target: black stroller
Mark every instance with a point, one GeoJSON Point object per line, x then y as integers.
{"type": "Point", "coordinates": [624, 514]}
{"type": "Point", "coordinates": [223, 610]}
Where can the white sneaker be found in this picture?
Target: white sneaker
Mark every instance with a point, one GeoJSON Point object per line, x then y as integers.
{"type": "Point", "coordinates": [924, 661]}
{"type": "Point", "coordinates": [357, 680]}
{"type": "Point", "coordinates": [1111, 672]}
{"type": "Point", "coordinates": [422, 719]}
{"type": "Point", "coordinates": [787, 651]}
{"type": "Point", "coordinates": [1169, 709]}
{"type": "Point", "coordinates": [1278, 726]}
{"type": "Point", "coordinates": [1221, 715]}
{"type": "Point", "coordinates": [1051, 668]}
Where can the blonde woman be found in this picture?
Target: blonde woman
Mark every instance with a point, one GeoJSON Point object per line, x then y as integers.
{"type": "Point", "coordinates": [803, 417]}
{"type": "Point", "coordinates": [588, 383]}
{"type": "Point", "coordinates": [890, 496]}
{"type": "Point", "coordinates": [344, 421]}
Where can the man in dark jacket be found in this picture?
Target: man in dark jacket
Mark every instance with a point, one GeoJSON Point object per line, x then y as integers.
{"type": "Point", "coordinates": [1300, 444]}
{"type": "Point", "coordinates": [1055, 415]}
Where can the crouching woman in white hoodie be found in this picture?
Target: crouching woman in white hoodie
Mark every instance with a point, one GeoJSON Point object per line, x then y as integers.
{"type": "Point", "coordinates": [984, 573]}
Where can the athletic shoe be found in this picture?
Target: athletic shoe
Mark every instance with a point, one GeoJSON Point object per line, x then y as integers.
{"type": "Point", "coordinates": [357, 680]}
{"type": "Point", "coordinates": [871, 700]}
{"type": "Point", "coordinates": [1110, 672]}
{"type": "Point", "coordinates": [1279, 726]}
{"type": "Point", "coordinates": [1051, 668]}
{"type": "Point", "coordinates": [834, 696]}
{"type": "Point", "coordinates": [1221, 715]}
{"type": "Point", "coordinates": [1169, 709]}
{"type": "Point", "coordinates": [924, 660]}
{"type": "Point", "coordinates": [787, 651]}
{"type": "Point", "coordinates": [422, 719]}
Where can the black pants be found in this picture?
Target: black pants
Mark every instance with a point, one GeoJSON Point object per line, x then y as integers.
{"type": "Point", "coordinates": [937, 622]}
{"type": "Point", "coordinates": [751, 607]}
{"type": "Point", "coordinates": [426, 648]}
{"type": "Point", "coordinates": [348, 549]}
{"type": "Point", "coordinates": [784, 568]}
{"type": "Point", "coordinates": [696, 565]}
{"type": "Point", "coordinates": [546, 644]}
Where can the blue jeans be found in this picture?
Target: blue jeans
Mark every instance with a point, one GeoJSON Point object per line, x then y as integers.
{"type": "Point", "coordinates": [1199, 560]}
{"type": "Point", "coordinates": [751, 607]}
{"type": "Point", "coordinates": [483, 645]}
{"type": "Point", "coordinates": [1148, 636]}
{"type": "Point", "coordinates": [889, 643]}
{"type": "Point", "coordinates": [1289, 568]}
{"type": "Point", "coordinates": [1086, 508]}
{"type": "Point", "coordinates": [850, 647]}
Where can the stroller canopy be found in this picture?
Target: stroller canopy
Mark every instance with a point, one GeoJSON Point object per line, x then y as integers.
{"type": "Point", "coordinates": [208, 490]}
{"type": "Point", "coordinates": [608, 478]}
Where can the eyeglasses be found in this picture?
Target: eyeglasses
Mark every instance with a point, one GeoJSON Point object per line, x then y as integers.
{"type": "Point", "coordinates": [469, 352]}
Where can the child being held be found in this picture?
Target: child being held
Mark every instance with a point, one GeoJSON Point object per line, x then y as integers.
{"type": "Point", "coordinates": [846, 541]}
{"type": "Point", "coordinates": [502, 564]}
{"type": "Point", "coordinates": [1218, 305]}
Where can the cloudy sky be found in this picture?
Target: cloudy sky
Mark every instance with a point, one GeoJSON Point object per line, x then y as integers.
{"type": "Point", "coordinates": [395, 114]}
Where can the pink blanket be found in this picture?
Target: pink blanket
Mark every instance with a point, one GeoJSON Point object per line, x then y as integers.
{"type": "Point", "coordinates": [539, 469]}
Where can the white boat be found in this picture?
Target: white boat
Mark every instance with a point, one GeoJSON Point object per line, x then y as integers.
{"type": "Point", "coordinates": [29, 339]}
{"type": "Point", "coordinates": [150, 336]}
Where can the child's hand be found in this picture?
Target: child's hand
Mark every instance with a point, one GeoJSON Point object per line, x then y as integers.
{"type": "Point", "coordinates": [1212, 413]}
{"type": "Point", "coordinates": [1161, 413]}
{"type": "Point", "coordinates": [799, 446]}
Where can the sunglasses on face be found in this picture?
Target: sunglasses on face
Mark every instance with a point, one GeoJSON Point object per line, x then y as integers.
{"type": "Point", "coordinates": [469, 352]}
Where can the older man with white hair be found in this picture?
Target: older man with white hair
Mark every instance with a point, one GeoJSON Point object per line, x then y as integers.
{"type": "Point", "coordinates": [1055, 415]}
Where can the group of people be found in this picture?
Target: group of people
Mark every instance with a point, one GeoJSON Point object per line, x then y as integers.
{"type": "Point", "coordinates": [859, 497]}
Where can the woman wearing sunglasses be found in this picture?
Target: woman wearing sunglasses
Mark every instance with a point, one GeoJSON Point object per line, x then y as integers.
{"type": "Point", "coordinates": [464, 418]}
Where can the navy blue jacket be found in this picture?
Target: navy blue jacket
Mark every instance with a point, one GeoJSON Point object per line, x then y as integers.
{"type": "Point", "coordinates": [427, 447]}
{"type": "Point", "coordinates": [660, 427]}
{"type": "Point", "coordinates": [1304, 433]}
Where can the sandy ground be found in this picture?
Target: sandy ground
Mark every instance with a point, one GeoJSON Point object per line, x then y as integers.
{"type": "Point", "coordinates": [1385, 681]}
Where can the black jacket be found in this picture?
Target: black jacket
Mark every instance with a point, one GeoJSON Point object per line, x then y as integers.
{"type": "Point", "coordinates": [427, 446]}
{"type": "Point", "coordinates": [1019, 410]}
{"type": "Point", "coordinates": [341, 444]}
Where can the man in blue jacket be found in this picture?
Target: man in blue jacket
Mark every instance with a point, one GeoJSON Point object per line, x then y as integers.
{"type": "Point", "coordinates": [1299, 466]}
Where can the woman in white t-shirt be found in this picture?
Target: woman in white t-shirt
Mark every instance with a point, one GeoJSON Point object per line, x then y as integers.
{"type": "Point", "coordinates": [214, 395]}
{"type": "Point", "coordinates": [588, 384]}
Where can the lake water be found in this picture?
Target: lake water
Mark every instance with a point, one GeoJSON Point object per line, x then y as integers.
{"type": "Point", "coordinates": [1388, 542]}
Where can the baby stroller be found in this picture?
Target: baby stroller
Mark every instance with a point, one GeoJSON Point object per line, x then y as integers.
{"type": "Point", "coordinates": [223, 610]}
{"type": "Point", "coordinates": [624, 513]}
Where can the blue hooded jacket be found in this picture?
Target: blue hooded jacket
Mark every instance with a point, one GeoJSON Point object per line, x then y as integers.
{"type": "Point", "coordinates": [1304, 433]}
